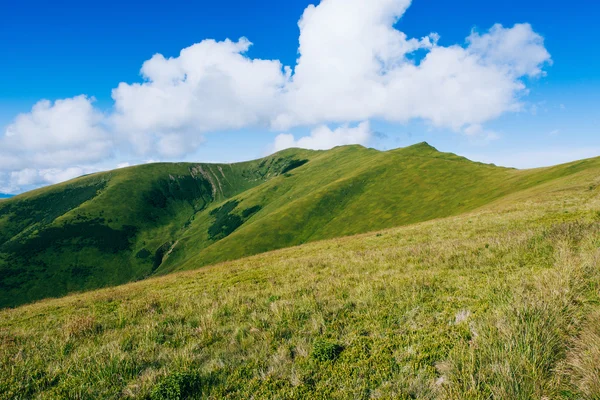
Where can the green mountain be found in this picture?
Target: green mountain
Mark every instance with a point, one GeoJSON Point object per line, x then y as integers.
{"type": "Point", "coordinates": [114, 227]}
{"type": "Point", "coordinates": [500, 302]}
{"type": "Point", "coordinates": [111, 228]}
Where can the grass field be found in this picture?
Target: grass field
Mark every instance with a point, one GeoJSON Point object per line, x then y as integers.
{"type": "Point", "coordinates": [126, 225]}
{"type": "Point", "coordinates": [499, 302]}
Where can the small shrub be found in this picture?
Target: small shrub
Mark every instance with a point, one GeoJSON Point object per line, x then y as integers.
{"type": "Point", "coordinates": [177, 385]}
{"type": "Point", "coordinates": [325, 350]}
{"type": "Point", "coordinates": [143, 254]}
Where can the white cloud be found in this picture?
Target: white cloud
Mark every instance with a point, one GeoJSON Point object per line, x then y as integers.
{"type": "Point", "coordinates": [478, 134]}
{"type": "Point", "coordinates": [323, 138]}
{"type": "Point", "coordinates": [518, 50]}
{"type": "Point", "coordinates": [55, 135]}
{"type": "Point", "coordinates": [53, 142]}
{"type": "Point", "coordinates": [27, 176]}
{"type": "Point", "coordinates": [354, 65]}
{"type": "Point", "coordinates": [30, 177]}
{"type": "Point", "coordinates": [211, 86]}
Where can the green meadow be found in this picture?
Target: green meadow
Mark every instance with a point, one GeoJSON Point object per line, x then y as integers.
{"type": "Point", "coordinates": [130, 224]}
{"type": "Point", "coordinates": [471, 282]}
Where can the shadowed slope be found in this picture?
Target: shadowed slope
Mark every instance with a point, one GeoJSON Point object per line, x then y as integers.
{"type": "Point", "coordinates": [110, 228]}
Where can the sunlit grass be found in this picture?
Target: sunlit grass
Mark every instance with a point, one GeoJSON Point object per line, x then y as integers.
{"type": "Point", "coordinates": [499, 303]}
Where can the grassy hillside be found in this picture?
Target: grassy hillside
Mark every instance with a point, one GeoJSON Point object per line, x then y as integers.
{"type": "Point", "coordinates": [352, 190]}
{"type": "Point", "coordinates": [125, 225]}
{"type": "Point", "coordinates": [498, 303]}
{"type": "Point", "coordinates": [110, 228]}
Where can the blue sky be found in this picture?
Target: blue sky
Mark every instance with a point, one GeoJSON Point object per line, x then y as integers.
{"type": "Point", "coordinates": [63, 49]}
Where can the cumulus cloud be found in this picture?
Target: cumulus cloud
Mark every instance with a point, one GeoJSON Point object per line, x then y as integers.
{"type": "Point", "coordinates": [354, 65]}
{"type": "Point", "coordinates": [53, 142]}
{"type": "Point", "coordinates": [519, 50]}
{"type": "Point", "coordinates": [31, 177]}
{"type": "Point", "coordinates": [210, 86]}
{"type": "Point", "coordinates": [323, 138]}
{"type": "Point", "coordinates": [55, 135]}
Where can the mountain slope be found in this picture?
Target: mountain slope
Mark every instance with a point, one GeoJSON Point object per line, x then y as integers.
{"type": "Point", "coordinates": [501, 302]}
{"type": "Point", "coordinates": [109, 228]}
{"type": "Point", "coordinates": [352, 190]}
{"type": "Point", "coordinates": [115, 227]}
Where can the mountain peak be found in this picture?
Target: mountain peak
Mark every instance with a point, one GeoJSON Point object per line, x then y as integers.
{"type": "Point", "coordinates": [423, 146]}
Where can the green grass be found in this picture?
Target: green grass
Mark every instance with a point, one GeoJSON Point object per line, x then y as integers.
{"type": "Point", "coordinates": [351, 190]}
{"type": "Point", "coordinates": [90, 232]}
{"type": "Point", "coordinates": [498, 303]}
{"type": "Point", "coordinates": [126, 225]}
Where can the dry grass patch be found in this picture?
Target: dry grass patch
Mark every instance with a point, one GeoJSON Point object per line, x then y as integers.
{"type": "Point", "coordinates": [82, 326]}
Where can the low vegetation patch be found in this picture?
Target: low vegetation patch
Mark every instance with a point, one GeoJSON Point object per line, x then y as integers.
{"type": "Point", "coordinates": [159, 255]}
{"type": "Point", "coordinates": [178, 386]}
{"type": "Point", "coordinates": [45, 208]}
{"type": "Point", "coordinates": [582, 367]}
{"type": "Point", "coordinates": [225, 222]}
{"type": "Point", "coordinates": [195, 190]}
{"type": "Point", "coordinates": [326, 350]}
{"type": "Point", "coordinates": [82, 326]}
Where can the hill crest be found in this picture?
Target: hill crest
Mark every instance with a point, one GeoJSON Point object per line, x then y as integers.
{"type": "Point", "coordinates": [123, 225]}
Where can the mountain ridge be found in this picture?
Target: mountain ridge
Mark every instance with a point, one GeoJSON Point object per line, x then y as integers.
{"type": "Point", "coordinates": [114, 227]}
